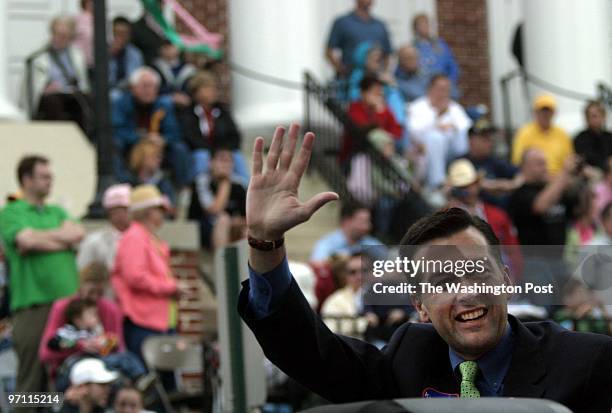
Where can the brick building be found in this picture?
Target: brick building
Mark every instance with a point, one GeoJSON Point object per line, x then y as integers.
{"type": "Point", "coordinates": [463, 25]}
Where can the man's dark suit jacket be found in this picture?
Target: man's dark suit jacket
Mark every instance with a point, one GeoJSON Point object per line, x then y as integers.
{"type": "Point", "coordinates": [225, 132]}
{"type": "Point", "coordinates": [574, 369]}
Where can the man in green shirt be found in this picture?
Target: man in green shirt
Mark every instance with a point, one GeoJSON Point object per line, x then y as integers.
{"type": "Point", "coordinates": [39, 241]}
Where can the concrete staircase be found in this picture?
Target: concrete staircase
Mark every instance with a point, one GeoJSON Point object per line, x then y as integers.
{"type": "Point", "coordinates": [301, 239]}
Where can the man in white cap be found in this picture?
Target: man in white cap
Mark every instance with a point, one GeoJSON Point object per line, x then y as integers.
{"type": "Point", "coordinates": [101, 245]}
{"type": "Point", "coordinates": [89, 387]}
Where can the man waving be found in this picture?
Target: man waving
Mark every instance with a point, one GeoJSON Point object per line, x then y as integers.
{"type": "Point", "coordinates": [471, 347]}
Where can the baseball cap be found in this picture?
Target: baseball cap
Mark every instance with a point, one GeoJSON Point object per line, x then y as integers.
{"type": "Point", "coordinates": [147, 196]}
{"type": "Point", "coordinates": [461, 173]}
{"type": "Point", "coordinates": [91, 370]}
{"type": "Point", "coordinates": [544, 102]}
{"type": "Point", "coordinates": [116, 196]}
{"type": "Point", "coordinates": [482, 127]}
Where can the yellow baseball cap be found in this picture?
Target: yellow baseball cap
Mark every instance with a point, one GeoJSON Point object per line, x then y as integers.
{"type": "Point", "coordinates": [544, 102]}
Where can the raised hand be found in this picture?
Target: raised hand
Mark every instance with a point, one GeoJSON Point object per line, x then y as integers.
{"type": "Point", "coordinates": [272, 204]}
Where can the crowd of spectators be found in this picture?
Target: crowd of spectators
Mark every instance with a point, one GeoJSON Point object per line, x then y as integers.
{"type": "Point", "coordinates": [166, 112]}
{"type": "Point", "coordinates": [83, 304]}
{"type": "Point", "coordinates": [174, 135]}
{"type": "Point", "coordinates": [552, 190]}
{"type": "Point", "coordinates": [79, 300]}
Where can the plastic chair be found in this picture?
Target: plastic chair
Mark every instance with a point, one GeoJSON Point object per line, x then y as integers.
{"type": "Point", "coordinates": [169, 354]}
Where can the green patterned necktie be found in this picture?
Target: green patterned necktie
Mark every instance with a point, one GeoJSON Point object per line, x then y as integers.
{"type": "Point", "coordinates": [469, 371]}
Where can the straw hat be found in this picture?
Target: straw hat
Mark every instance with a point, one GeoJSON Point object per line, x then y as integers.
{"type": "Point", "coordinates": [461, 173]}
{"type": "Point", "coordinates": [146, 196]}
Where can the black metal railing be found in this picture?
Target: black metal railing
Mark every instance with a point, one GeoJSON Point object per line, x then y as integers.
{"type": "Point", "coordinates": [366, 176]}
{"type": "Point", "coordinates": [329, 128]}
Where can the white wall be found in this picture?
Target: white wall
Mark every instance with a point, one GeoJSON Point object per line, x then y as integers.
{"type": "Point", "coordinates": [566, 42]}
{"type": "Point", "coordinates": [569, 43]}
{"type": "Point", "coordinates": [73, 161]}
{"type": "Point", "coordinates": [283, 38]}
{"type": "Point", "coordinates": [503, 18]}
{"type": "Point", "coordinates": [8, 110]}
{"type": "Point", "coordinates": [24, 26]}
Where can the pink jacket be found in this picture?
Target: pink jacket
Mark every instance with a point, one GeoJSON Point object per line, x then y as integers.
{"type": "Point", "coordinates": [142, 279]}
{"type": "Point", "coordinates": [110, 316]}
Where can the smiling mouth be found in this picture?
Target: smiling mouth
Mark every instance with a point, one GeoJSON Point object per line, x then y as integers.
{"type": "Point", "coordinates": [471, 315]}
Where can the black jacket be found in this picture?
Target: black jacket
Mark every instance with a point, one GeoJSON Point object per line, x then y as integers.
{"type": "Point", "coordinates": [147, 40]}
{"type": "Point", "coordinates": [225, 132]}
{"type": "Point", "coordinates": [594, 147]}
{"type": "Point", "coordinates": [574, 369]}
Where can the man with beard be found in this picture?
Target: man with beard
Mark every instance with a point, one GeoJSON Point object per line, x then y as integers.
{"type": "Point", "coordinates": [39, 240]}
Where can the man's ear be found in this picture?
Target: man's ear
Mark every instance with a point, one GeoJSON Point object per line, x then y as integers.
{"type": "Point", "coordinates": [421, 309]}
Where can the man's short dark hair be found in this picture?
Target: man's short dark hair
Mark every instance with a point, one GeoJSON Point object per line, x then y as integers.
{"type": "Point", "coordinates": [369, 81]}
{"type": "Point", "coordinates": [435, 78]}
{"type": "Point", "coordinates": [27, 164]}
{"type": "Point", "coordinates": [76, 308]}
{"type": "Point", "coordinates": [121, 20]}
{"type": "Point", "coordinates": [165, 43]}
{"type": "Point", "coordinates": [416, 19]}
{"type": "Point", "coordinates": [445, 223]}
{"type": "Point", "coordinates": [594, 104]}
{"type": "Point", "coordinates": [349, 209]}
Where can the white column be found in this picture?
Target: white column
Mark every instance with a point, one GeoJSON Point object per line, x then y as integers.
{"type": "Point", "coordinates": [569, 43]}
{"type": "Point", "coordinates": [8, 110]}
{"type": "Point", "coordinates": [270, 37]}
{"type": "Point", "coordinates": [283, 38]}
{"type": "Point", "coordinates": [503, 18]}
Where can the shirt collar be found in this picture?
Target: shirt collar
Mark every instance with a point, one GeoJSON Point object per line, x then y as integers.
{"type": "Point", "coordinates": [37, 208]}
{"type": "Point", "coordinates": [201, 112]}
{"type": "Point", "coordinates": [361, 19]}
{"type": "Point", "coordinates": [495, 363]}
{"type": "Point", "coordinates": [544, 131]}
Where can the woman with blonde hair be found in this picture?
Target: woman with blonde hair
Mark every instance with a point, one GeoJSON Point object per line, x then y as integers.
{"type": "Point", "coordinates": [142, 279]}
{"type": "Point", "coordinates": [145, 164]}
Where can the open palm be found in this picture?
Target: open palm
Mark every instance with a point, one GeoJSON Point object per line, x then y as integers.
{"type": "Point", "coordinates": [272, 204]}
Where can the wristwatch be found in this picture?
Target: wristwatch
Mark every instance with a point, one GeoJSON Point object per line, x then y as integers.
{"type": "Point", "coordinates": [264, 245]}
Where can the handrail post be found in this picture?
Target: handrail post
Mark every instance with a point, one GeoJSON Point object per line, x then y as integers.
{"type": "Point", "coordinates": [306, 92]}
{"type": "Point", "coordinates": [506, 111]}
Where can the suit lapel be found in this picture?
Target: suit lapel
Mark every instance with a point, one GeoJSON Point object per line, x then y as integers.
{"type": "Point", "coordinates": [527, 368]}
{"type": "Point", "coordinates": [440, 375]}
